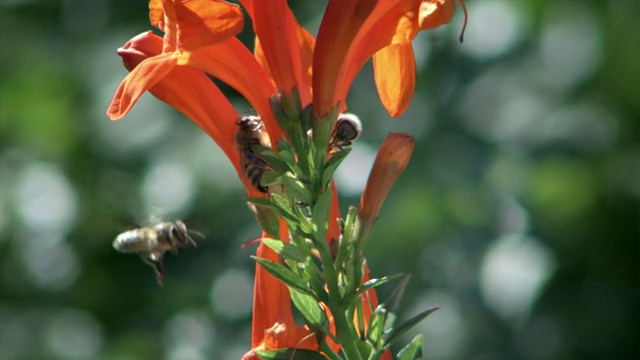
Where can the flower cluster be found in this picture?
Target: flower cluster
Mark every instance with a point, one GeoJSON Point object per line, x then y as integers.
{"type": "Point", "coordinates": [309, 255]}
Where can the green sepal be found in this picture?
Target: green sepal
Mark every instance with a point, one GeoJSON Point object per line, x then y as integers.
{"type": "Point", "coordinates": [375, 282]}
{"type": "Point", "coordinates": [276, 108]}
{"type": "Point", "coordinates": [289, 354]}
{"type": "Point", "coordinates": [399, 330]}
{"type": "Point", "coordinates": [286, 250]}
{"type": "Point", "coordinates": [412, 351]}
{"type": "Point", "coordinates": [309, 308]}
{"type": "Point", "coordinates": [283, 274]}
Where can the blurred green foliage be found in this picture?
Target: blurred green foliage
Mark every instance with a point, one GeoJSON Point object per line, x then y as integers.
{"type": "Point", "coordinates": [518, 214]}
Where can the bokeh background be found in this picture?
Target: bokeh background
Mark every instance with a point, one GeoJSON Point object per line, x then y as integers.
{"type": "Point", "coordinates": [518, 214]}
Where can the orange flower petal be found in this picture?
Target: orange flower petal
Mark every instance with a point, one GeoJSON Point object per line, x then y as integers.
{"type": "Point", "coordinates": [350, 48]}
{"type": "Point", "coordinates": [393, 156]}
{"type": "Point", "coordinates": [156, 14]}
{"type": "Point", "coordinates": [231, 62]}
{"type": "Point", "coordinates": [302, 53]}
{"type": "Point", "coordinates": [395, 75]}
{"type": "Point", "coordinates": [434, 13]}
{"type": "Point", "coordinates": [272, 305]}
{"type": "Point", "coordinates": [141, 79]}
{"type": "Point", "coordinates": [206, 22]}
{"type": "Point", "coordinates": [286, 46]}
{"type": "Point", "coordinates": [341, 22]}
{"type": "Point", "coordinates": [188, 90]}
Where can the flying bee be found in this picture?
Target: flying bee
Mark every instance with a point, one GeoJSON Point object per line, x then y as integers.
{"type": "Point", "coordinates": [151, 242]}
{"type": "Point", "coordinates": [250, 137]}
{"type": "Point", "coordinates": [347, 129]}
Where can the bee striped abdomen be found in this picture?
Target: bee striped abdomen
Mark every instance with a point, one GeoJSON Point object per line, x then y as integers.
{"type": "Point", "coordinates": [251, 135]}
{"type": "Point", "coordinates": [254, 167]}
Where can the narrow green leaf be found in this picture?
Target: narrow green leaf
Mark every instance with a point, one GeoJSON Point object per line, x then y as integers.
{"type": "Point", "coordinates": [296, 189]}
{"type": "Point", "coordinates": [286, 250]}
{"type": "Point", "coordinates": [275, 161]}
{"type": "Point", "coordinates": [375, 282]}
{"type": "Point", "coordinates": [290, 354]}
{"type": "Point", "coordinates": [393, 301]}
{"type": "Point", "coordinates": [262, 202]}
{"type": "Point", "coordinates": [412, 351]}
{"type": "Point", "coordinates": [283, 274]}
{"type": "Point", "coordinates": [284, 206]}
{"type": "Point", "coordinates": [320, 215]}
{"type": "Point", "coordinates": [270, 178]}
{"type": "Point", "coordinates": [405, 326]}
{"type": "Point", "coordinates": [267, 217]}
{"type": "Point", "coordinates": [332, 165]}
{"type": "Point", "coordinates": [308, 306]}
{"type": "Point", "coordinates": [376, 326]}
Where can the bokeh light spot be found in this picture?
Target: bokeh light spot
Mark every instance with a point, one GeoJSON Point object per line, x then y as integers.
{"type": "Point", "coordinates": [232, 294]}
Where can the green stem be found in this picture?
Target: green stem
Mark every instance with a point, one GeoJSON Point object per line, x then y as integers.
{"type": "Point", "coordinates": [344, 331]}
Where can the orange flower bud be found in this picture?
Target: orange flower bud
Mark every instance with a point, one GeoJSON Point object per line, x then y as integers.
{"type": "Point", "coordinates": [393, 156]}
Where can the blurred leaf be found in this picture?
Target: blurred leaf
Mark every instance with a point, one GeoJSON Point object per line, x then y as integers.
{"type": "Point", "coordinates": [407, 325]}
{"type": "Point", "coordinates": [413, 350]}
{"type": "Point", "coordinates": [375, 282]}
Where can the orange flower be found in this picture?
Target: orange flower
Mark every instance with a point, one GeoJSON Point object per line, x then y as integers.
{"type": "Point", "coordinates": [353, 31]}
{"type": "Point", "coordinates": [393, 156]}
{"type": "Point", "coordinates": [199, 39]}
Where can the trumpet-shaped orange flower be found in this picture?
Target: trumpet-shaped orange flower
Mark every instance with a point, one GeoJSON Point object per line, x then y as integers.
{"type": "Point", "coordinates": [199, 40]}
{"type": "Point", "coordinates": [353, 31]}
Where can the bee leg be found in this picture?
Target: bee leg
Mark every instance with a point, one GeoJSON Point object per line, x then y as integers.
{"type": "Point", "coordinates": [156, 263]}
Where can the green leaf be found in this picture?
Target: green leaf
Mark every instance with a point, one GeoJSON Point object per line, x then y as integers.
{"type": "Point", "coordinates": [320, 215]}
{"type": "Point", "coordinates": [332, 165]}
{"type": "Point", "coordinates": [267, 216]}
{"type": "Point", "coordinates": [286, 250]}
{"type": "Point", "coordinates": [286, 155]}
{"type": "Point", "coordinates": [412, 351]}
{"type": "Point", "coordinates": [308, 306]}
{"type": "Point", "coordinates": [270, 178]}
{"type": "Point", "coordinates": [375, 282]}
{"type": "Point", "coordinates": [405, 326]}
{"type": "Point", "coordinates": [393, 301]}
{"type": "Point", "coordinates": [284, 206]}
{"type": "Point", "coordinates": [289, 354]}
{"type": "Point", "coordinates": [376, 326]}
{"type": "Point", "coordinates": [275, 161]}
{"type": "Point", "coordinates": [296, 189]}
{"type": "Point", "coordinates": [283, 274]}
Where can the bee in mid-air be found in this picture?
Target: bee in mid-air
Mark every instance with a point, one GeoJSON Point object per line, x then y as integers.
{"type": "Point", "coordinates": [151, 242]}
{"type": "Point", "coordinates": [250, 137]}
{"type": "Point", "coordinates": [347, 129]}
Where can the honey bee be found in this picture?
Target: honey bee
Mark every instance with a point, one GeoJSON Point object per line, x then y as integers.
{"type": "Point", "coordinates": [151, 242]}
{"type": "Point", "coordinates": [250, 136]}
{"type": "Point", "coordinates": [347, 129]}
